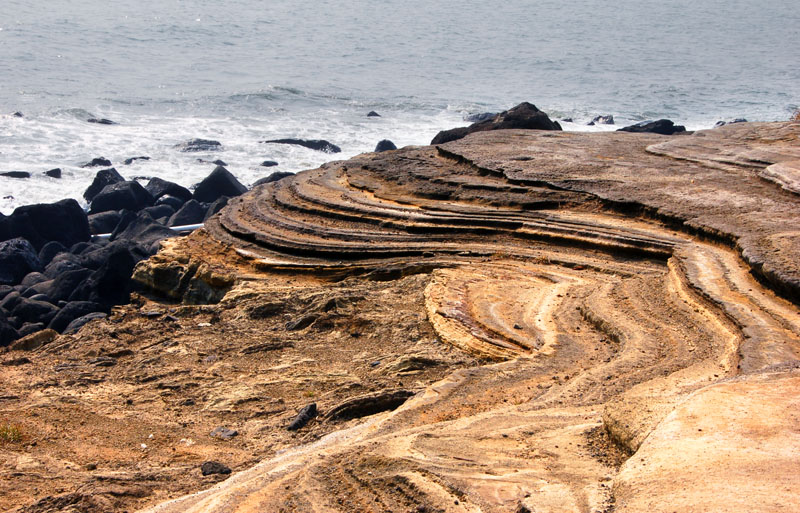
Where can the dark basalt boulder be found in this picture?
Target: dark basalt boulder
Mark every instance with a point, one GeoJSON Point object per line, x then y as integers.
{"type": "Point", "coordinates": [63, 221]}
{"type": "Point", "coordinates": [159, 211]}
{"type": "Point", "coordinates": [171, 201]}
{"type": "Point", "coordinates": [216, 207]}
{"type": "Point", "coordinates": [274, 177]}
{"type": "Point", "coordinates": [219, 183]}
{"type": "Point", "coordinates": [524, 116]}
{"type": "Point", "coordinates": [62, 263]}
{"type": "Point", "coordinates": [78, 323]}
{"type": "Point", "coordinates": [385, 145]}
{"type": "Point", "coordinates": [481, 116]}
{"type": "Point", "coordinates": [62, 287]}
{"type": "Point", "coordinates": [97, 258]}
{"type": "Point", "coordinates": [131, 160]}
{"type": "Point", "coordinates": [17, 114]}
{"type": "Point", "coordinates": [81, 247]}
{"type": "Point", "coordinates": [661, 126]}
{"type": "Point", "coordinates": [104, 222]}
{"type": "Point", "coordinates": [101, 180]}
{"type": "Point", "coordinates": [54, 173]}
{"type": "Point", "coordinates": [124, 195]}
{"type": "Point", "coordinates": [158, 187]}
{"type": "Point", "coordinates": [7, 332]}
{"type": "Point", "coordinates": [96, 162]}
{"type": "Point", "coordinates": [72, 311]}
{"type": "Point", "coordinates": [5, 290]}
{"type": "Point", "coordinates": [11, 301]}
{"type": "Point", "coordinates": [145, 232]}
{"type": "Point", "coordinates": [16, 174]}
{"type": "Point", "coordinates": [269, 163]}
{"type": "Point", "coordinates": [30, 310]}
{"type": "Point", "coordinates": [723, 123]}
{"type": "Point", "coordinates": [111, 284]}
{"type": "Point", "coordinates": [33, 278]}
{"type": "Point", "coordinates": [313, 144]}
{"type": "Point", "coordinates": [49, 251]}
{"type": "Point", "coordinates": [218, 162]}
{"type": "Point", "coordinates": [199, 145]}
{"type": "Point", "coordinates": [303, 417]}
{"type": "Point", "coordinates": [192, 212]}
{"type": "Point", "coordinates": [602, 120]}
{"type": "Point", "coordinates": [373, 114]}
{"type": "Point", "coordinates": [17, 258]}
{"type": "Point", "coordinates": [29, 328]}
{"type": "Point", "coordinates": [101, 121]}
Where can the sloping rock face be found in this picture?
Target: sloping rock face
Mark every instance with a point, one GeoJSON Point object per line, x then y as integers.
{"type": "Point", "coordinates": [514, 321]}
{"type": "Point", "coordinates": [624, 291]}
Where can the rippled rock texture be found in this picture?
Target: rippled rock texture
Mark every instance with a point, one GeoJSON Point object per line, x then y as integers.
{"type": "Point", "coordinates": [587, 322]}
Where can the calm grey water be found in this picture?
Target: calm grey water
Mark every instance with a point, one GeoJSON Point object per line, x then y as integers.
{"type": "Point", "coordinates": [241, 71]}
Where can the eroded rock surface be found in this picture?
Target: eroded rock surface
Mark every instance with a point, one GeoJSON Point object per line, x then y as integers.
{"type": "Point", "coordinates": [514, 321]}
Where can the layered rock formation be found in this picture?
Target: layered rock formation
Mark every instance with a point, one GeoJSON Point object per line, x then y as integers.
{"type": "Point", "coordinates": [570, 322]}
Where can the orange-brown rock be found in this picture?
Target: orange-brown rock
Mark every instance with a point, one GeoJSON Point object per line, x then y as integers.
{"type": "Point", "coordinates": [514, 321]}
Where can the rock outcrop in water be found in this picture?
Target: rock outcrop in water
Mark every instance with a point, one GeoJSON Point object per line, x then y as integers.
{"type": "Point", "coordinates": [514, 321]}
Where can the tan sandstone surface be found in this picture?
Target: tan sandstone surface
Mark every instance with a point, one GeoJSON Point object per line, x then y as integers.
{"type": "Point", "coordinates": [515, 321]}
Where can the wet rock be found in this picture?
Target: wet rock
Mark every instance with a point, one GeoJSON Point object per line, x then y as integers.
{"type": "Point", "coordinates": [63, 221]}
{"type": "Point", "coordinates": [192, 212]}
{"type": "Point", "coordinates": [72, 311]}
{"type": "Point", "coordinates": [54, 173]}
{"type": "Point", "coordinates": [199, 145]}
{"type": "Point", "coordinates": [17, 258]}
{"type": "Point", "coordinates": [30, 310]}
{"type": "Point", "coordinates": [223, 433]}
{"type": "Point", "coordinates": [373, 114]}
{"type": "Point", "coordinates": [5, 290]}
{"type": "Point", "coordinates": [385, 145]}
{"type": "Point", "coordinates": [158, 188]}
{"type": "Point", "coordinates": [101, 121]}
{"type": "Point", "coordinates": [524, 116]}
{"type": "Point", "coordinates": [123, 195]}
{"type": "Point", "coordinates": [174, 202]}
{"type": "Point", "coordinates": [144, 231]}
{"type": "Point", "coordinates": [49, 251]}
{"type": "Point", "coordinates": [661, 126]}
{"type": "Point", "coordinates": [567, 120]}
{"type": "Point", "coordinates": [78, 323]}
{"type": "Point", "coordinates": [216, 207]}
{"type": "Point", "coordinates": [104, 222]}
{"type": "Point", "coordinates": [159, 211]}
{"type": "Point", "coordinates": [131, 160]}
{"type": "Point", "coordinates": [303, 417]}
{"type": "Point", "coordinates": [10, 301]}
{"type": "Point", "coordinates": [17, 114]}
{"type": "Point", "coordinates": [103, 178]}
{"type": "Point", "coordinates": [313, 144]}
{"type": "Point", "coordinates": [33, 278]}
{"type": "Point", "coordinates": [274, 177]}
{"type": "Point", "coordinates": [214, 467]}
{"type": "Point", "coordinates": [30, 328]}
{"type": "Point", "coordinates": [723, 123]}
{"type": "Point", "coordinates": [16, 174]}
{"type": "Point", "coordinates": [602, 120]}
{"type": "Point", "coordinates": [481, 116]}
{"type": "Point", "coordinates": [34, 341]}
{"type": "Point", "coordinates": [8, 333]}
{"type": "Point", "coordinates": [219, 183]}
{"type": "Point", "coordinates": [269, 163]}
{"type": "Point", "coordinates": [81, 247]}
{"type": "Point", "coordinates": [111, 284]}
{"type": "Point", "coordinates": [62, 263]}
{"type": "Point", "coordinates": [96, 162]}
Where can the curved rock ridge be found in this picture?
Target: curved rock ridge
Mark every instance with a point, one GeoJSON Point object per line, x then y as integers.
{"type": "Point", "coordinates": [621, 291]}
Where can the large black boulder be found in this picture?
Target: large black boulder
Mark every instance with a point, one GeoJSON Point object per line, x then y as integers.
{"type": "Point", "coordinates": [7, 332]}
{"type": "Point", "coordinates": [524, 116]}
{"type": "Point", "coordinates": [172, 201]}
{"type": "Point", "coordinates": [97, 258]}
{"type": "Point", "coordinates": [192, 212]}
{"type": "Point", "coordinates": [124, 195]}
{"type": "Point", "coordinates": [78, 323]}
{"type": "Point", "coordinates": [219, 183]}
{"type": "Point", "coordinates": [385, 145]}
{"type": "Point", "coordinates": [274, 177]}
{"type": "Point", "coordinates": [49, 251]}
{"type": "Point", "coordinates": [103, 178]}
{"type": "Point", "coordinates": [31, 310]}
{"type": "Point", "coordinates": [269, 163]}
{"type": "Point", "coordinates": [661, 126]}
{"type": "Point", "coordinates": [33, 278]}
{"type": "Point", "coordinates": [216, 207]}
{"type": "Point", "coordinates": [16, 174]}
{"type": "Point", "coordinates": [63, 285]}
{"type": "Point", "coordinates": [111, 284]}
{"type": "Point", "coordinates": [143, 231]}
{"type": "Point", "coordinates": [17, 258]}
{"type": "Point", "coordinates": [63, 221]}
{"type": "Point", "coordinates": [313, 144]}
{"type": "Point", "coordinates": [158, 187]}
{"type": "Point", "coordinates": [159, 211]}
{"type": "Point", "coordinates": [72, 311]}
{"type": "Point", "coordinates": [99, 161]}
{"type": "Point", "coordinates": [62, 263]}
{"type": "Point", "coordinates": [199, 145]}
{"type": "Point", "coordinates": [104, 222]}
{"type": "Point", "coordinates": [11, 301]}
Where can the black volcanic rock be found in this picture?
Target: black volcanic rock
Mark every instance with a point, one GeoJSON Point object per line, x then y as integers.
{"type": "Point", "coordinates": [101, 179]}
{"type": "Point", "coordinates": [63, 221]}
{"type": "Point", "coordinates": [274, 177]}
{"type": "Point", "coordinates": [373, 114]}
{"type": "Point", "coordinates": [524, 116]}
{"type": "Point", "coordinates": [144, 231]}
{"type": "Point", "coordinates": [269, 163]}
{"type": "Point", "coordinates": [481, 116]}
{"type": "Point", "coordinates": [104, 222]}
{"type": "Point", "coordinates": [314, 144]}
{"type": "Point", "coordinates": [16, 174]}
{"type": "Point", "coordinates": [78, 323]}
{"type": "Point", "coordinates": [199, 145]}
{"type": "Point", "coordinates": [158, 187]}
{"type": "Point", "coordinates": [99, 161]}
{"type": "Point", "coordinates": [661, 126]}
{"type": "Point", "coordinates": [192, 212]}
{"type": "Point", "coordinates": [31, 310]}
{"type": "Point", "coordinates": [54, 173]}
{"type": "Point", "coordinates": [216, 207]}
{"type": "Point", "coordinates": [17, 258]}
{"type": "Point", "coordinates": [131, 160]}
{"type": "Point", "coordinates": [219, 183]}
{"type": "Point", "coordinates": [385, 145]}
{"type": "Point", "coordinates": [602, 120]}
{"type": "Point", "coordinates": [49, 251]}
{"type": "Point", "coordinates": [72, 311]}
{"type": "Point", "coordinates": [171, 201]}
{"type": "Point", "coordinates": [101, 121]}
{"type": "Point", "coordinates": [124, 195]}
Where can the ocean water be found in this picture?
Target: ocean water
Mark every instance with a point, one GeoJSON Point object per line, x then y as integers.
{"type": "Point", "coordinates": [242, 71]}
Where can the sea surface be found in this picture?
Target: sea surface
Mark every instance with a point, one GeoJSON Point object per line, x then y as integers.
{"type": "Point", "coordinates": [242, 71]}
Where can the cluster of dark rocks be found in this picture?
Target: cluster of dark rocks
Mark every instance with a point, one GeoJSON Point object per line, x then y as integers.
{"type": "Point", "coordinates": [61, 266]}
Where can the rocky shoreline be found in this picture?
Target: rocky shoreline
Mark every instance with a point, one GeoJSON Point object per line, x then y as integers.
{"type": "Point", "coordinates": [447, 327]}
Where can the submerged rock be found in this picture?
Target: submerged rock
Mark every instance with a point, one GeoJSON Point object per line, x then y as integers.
{"type": "Point", "coordinates": [313, 144]}
{"type": "Point", "coordinates": [385, 145]}
{"type": "Point", "coordinates": [193, 145]}
{"type": "Point", "coordinates": [98, 161]}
